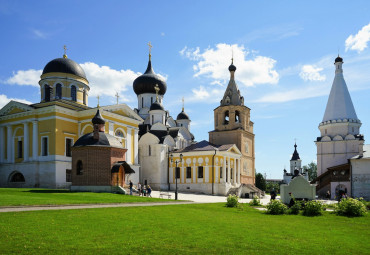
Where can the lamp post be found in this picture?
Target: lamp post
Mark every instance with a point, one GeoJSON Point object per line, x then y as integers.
{"type": "Point", "coordinates": [176, 172]}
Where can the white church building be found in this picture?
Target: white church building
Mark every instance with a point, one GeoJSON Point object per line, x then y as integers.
{"type": "Point", "coordinates": [342, 163]}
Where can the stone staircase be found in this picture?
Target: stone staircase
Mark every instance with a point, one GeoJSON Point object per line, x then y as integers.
{"type": "Point", "coordinates": [119, 190]}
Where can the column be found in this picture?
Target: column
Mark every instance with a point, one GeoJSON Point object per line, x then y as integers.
{"type": "Point", "coordinates": [228, 170]}
{"type": "Point", "coordinates": [239, 167]}
{"type": "Point", "coordinates": [224, 171]}
{"type": "Point", "coordinates": [234, 172]}
{"type": "Point", "coordinates": [195, 174]}
{"type": "Point", "coordinates": [10, 142]}
{"type": "Point", "coordinates": [2, 145]}
{"type": "Point", "coordinates": [35, 140]}
{"type": "Point", "coordinates": [136, 146]}
{"type": "Point", "coordinates": [25, 141]}
{"type": "Point", "coordinates": [129, 146]}
{"type": "Point", "coordinates": [111, 128]}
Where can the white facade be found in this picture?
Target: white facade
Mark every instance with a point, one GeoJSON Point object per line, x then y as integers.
{"type": "Point", "coordinates": [360, 167]}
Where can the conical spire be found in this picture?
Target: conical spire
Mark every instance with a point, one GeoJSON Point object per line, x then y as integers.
{"type": "Point", "coordinates": [339, 104]}
{"type": "Point", "coordinates": [295, 155]}
{"type": "Point", "coordinates": [232, 94]}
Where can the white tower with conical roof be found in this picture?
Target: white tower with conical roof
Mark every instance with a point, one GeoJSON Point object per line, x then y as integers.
{"type": "Point", "coordinates": [340, 128]}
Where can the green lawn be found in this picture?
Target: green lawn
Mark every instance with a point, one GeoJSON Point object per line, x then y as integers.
{"type": "Point", "coordinates": [180, 229]}
{"type": "Point", "coordinates": [13, 197]}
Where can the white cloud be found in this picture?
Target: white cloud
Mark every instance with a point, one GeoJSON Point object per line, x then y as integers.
{"type": "Point", "coordinates": [28, 77]}
{"type": "Point", "coordinates": [210, 94]}
{"type": "Point", "coordinates": [39, 34]}
{"type": "Point", "coordinates": [107, 81]}
{"type": "Point", "coordinates": [311, 73]}
{"type": "Point", "coordinates": [4, 100]}
{"type": "Point", "coordinates": [359, 41]}
{"type": "Point", "coordinates": [213, 63]}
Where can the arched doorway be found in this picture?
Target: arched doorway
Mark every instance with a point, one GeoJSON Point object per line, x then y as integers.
{"type": "Point", "coordinates": [16, 179]}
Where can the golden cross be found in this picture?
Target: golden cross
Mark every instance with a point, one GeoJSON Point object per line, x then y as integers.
{"type": "Point", "coordinates": [98, 97]}
{"type": "Point", "coordinates": [117, 96]}
{"type": "Point", "coordinates": [232, 56]}
{"type": "Point", "coordinates": [157, 89]}
{"type": "Point", "coordinates": [182, 103]}
{"type": "Point", "coordinates": [65, 51]}
{"type": "Point", "coordinates": [150, 50]}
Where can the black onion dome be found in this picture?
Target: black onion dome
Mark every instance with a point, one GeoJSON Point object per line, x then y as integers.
{"type": "Point", "coordinates": [182, 116]}
{"type": "Point", "coordinates": [156, 106]}
{"type": "Point", "coordinates": [232, 68]}
{"type": "Point", "coordinates": [146, 82]}
{"type": "Point", "coordinates": [338, 59]}
{"type": "Point", "coordinates": [64, 65]}
{"type": "Point", "coordinates": [98, 119]}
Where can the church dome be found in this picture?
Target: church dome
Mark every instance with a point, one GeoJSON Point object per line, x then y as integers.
{"type": "Point", "coordinates": [232, 68]}
{"type": "Point", "coordinates": [156, 106]}
{"type": "Point", "coordinates": [98, 119]}
{"type": "Point", "coordinates": [64, 65]}
{"type": "Point", "coordinates": [338, 59]}
{"type": "Point", "coordinates": [146, 82]}
{"type": "Point", "coordinates": [182, 116]}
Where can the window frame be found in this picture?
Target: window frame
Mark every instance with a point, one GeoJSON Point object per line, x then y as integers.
{"type": "Point", "coordinates": [44, 151]}
{"type": "Point", "coordinates": [188, 172]}
{"type": "Point", "coordinates": [200, 172]}
{"type": "Point", "coordinates": [70, 149]}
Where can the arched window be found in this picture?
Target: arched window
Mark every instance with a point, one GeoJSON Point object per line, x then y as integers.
{"type": "Point", "coordinates": [58, 91]}
{"type": "Point", "coordinates": [47, 93]}
{"type": "Point", "coordinates": [226, 118]}
{"type": "Point", "coordinates": [84, 97]}
{"type": "Point", "coordinates": [119, 133]}
{"type": "Point", "coordinates": [237, 117]}
{"type": "Point", "coordinates": [73, 93]}
{"type": "Point", "coordinates": [79, 168]}
{"type": "Point", "coordinates": [17, 177]}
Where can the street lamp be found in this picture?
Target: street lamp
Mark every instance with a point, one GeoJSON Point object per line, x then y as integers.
{"type": "Point", "coordinates": [176, 172]}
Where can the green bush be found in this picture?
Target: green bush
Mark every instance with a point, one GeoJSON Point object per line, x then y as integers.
{"type": "Point", "coordinates": [255, 201]}
{"type": "Point", "coordinates": [294, 209]}
{"type": "Point", "coordinates": [276, 207]}
{"type": "Point", "coordinates": [313, 208]}
{"type": "Point", "coordinates": [232, 201]}
{"type": "Point", "coordinates": [350, 207]}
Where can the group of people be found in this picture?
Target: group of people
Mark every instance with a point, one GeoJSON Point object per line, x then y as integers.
{"type": "Point", "coordinates": [143, 190]}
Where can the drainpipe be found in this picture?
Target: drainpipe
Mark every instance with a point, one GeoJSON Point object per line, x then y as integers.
{"type": "Point", "coordinates": [213, 172]}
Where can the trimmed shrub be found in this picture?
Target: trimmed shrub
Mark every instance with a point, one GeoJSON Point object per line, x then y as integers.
{"type": "Point", "coordinates": [232, 201]}
{"type": "Point", "coordinates": [350, 207]}
{"type": "Point", "coordinates": [276, 207]}
{"type": "Point", "coordinates": [313, 208]}
{"type": "Point", "coordinates": [294, 209]}
{"type": "Point", "coordinates": [255, 201]}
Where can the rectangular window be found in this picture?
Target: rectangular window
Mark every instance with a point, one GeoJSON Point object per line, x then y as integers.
{"type": "Point", "coordinates": [188, 172]}
{"type": "Point", "coordinates": [68, 175]}
{"type": "Point", "coordinates": [220, 172]}
{"type": "Point", "coordinates": [20, 149]}
{"type": "Point", "coordinates": [231, 173]}
{"type": "Point", "coordinates": [69, 143]}
{"type": "Point", "coordinates": [200, 172]}
{"type": "Point", "coordinates": [177, 172]}
{"type": "Point", "coordinates": [44, 147]}
{"type": "Point", "coordinates": [150, 151]}
{"type": "Point", "coordinates": [227, 174]}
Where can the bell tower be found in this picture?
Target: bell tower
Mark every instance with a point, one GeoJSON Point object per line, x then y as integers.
{"type": "Point", "coordinates": [232, 125]}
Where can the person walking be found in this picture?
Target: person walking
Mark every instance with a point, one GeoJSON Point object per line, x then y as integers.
{"type": "Point", "coordinates": [139, 188]}
{"type": "Point", "coordinates": [131, 187]}
{"type": "Point", "coordinates": [149, 191]}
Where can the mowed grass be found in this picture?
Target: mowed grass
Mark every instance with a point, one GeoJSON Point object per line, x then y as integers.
{"type": "Point", "coordinates": [180, 229]}
{"type": "Point", "coordinates": [15, 197]}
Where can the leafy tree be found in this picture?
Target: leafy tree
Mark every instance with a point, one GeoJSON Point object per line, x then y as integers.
{"type": "Point", "coordinates": [260, 182]}
{"type": "Point", "coordinates": [311, 168]}
{"type": "Point", "coordinates": [272, 186]}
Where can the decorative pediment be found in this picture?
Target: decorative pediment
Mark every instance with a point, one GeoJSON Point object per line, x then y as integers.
{"type": "Point", "coordinates": [123, 110]}
{"type": "Point", "coordinates": [14, 107]}
{"type": "Point", "coordinates": [234, 149]}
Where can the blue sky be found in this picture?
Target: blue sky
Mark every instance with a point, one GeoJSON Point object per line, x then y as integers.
{"type": "Point", "coordinates": [283, 50]}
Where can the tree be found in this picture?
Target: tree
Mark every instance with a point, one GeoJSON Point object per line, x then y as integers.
{"type": "Point", "coordinates": [260, 182]}
{"type": "Point", "coordinates": [311, 169]}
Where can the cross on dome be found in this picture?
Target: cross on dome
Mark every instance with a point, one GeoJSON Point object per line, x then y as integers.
{"type": "Point", "coordinates": [65, 51]}
{"type": "Point", "coordinates": [150, 50]}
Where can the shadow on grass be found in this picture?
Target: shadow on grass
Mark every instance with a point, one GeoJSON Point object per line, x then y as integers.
{"type": "Point", "coordinates": [49, 191]}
